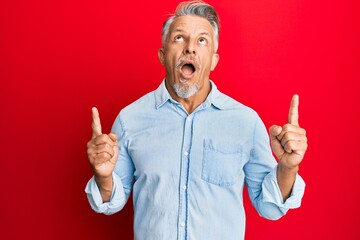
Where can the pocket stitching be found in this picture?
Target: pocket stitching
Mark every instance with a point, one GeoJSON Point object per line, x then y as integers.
{"type": "Point", "coordinates": [231, 180]}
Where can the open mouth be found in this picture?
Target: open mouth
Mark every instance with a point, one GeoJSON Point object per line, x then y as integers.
{"type": "Point", "coordinates": [188, 70]}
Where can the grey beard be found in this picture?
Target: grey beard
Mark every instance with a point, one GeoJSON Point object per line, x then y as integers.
{"type": "Point", "coordinates": [184, 92]}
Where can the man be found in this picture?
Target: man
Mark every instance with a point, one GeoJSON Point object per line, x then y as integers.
{"type": "Point", "coordinates": [186, 149]}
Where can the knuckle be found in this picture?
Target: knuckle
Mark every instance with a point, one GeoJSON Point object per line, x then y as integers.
{"type": "Point", "coordinates": [101, 138]}
{"type": "Point", "coordinates": [303, 131]}
{"type": "Point", "coordinates": [107, 146]}
{"type": "Point", "coordinates": [98, 139]}
{"type": "Point", "coordinates": [111, 153]}
{"type": "Point", "coordinates": [89, 144]}
{"type": "Point", "coordinates": [292, 144]}
{"type": "Point", "coordinates": [100, 148]}
{"type": "Point", "coordinates": [286, 127]}
{"type": "Point", "coordinates": [101, 156]}
{"type": "Point", "coordinates": [289, 145]}
{"type": "Point", "coordinates": [92, 158]}
{"type": "Point", "coordinates": [89, 149]}
{"type": "Point", "coordinates": [287, 136]}
{"type": "Point", "coordinates": [106, 137]}
{"type": "Point", "coordinates": [105, 156]}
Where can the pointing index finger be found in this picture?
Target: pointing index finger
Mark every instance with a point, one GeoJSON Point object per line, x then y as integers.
{"type": "Point", "coordinates": [294, 110]}
{"type": "Point", "coordinates": [96, 125]}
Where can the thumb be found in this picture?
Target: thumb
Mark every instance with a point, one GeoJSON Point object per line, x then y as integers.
{"type": "Point", "coordinates": [113, 137]}
{"type": "Point", "coordinates": [276, 147]}
{"type": "Point", "coordinates": [96, 125]}
{"type": "Point", "coordinates": [274, 131]}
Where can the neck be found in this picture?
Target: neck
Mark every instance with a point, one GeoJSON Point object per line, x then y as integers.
{"type": "Point", "coordinates": [191, 103]}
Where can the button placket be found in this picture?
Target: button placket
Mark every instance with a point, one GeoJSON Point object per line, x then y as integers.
{"type": "Point", "coordinates": [184, 177]}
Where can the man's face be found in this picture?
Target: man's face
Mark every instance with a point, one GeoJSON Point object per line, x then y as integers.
{"type": "Point", "coordinates": [188, 55]}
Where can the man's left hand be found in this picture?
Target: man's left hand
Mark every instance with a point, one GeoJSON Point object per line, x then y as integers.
{"type": "Point", "coordinates": [289, 142]}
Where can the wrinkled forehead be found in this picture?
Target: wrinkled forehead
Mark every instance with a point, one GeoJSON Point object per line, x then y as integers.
{"type": "Point", "coordinates": [191, 24]}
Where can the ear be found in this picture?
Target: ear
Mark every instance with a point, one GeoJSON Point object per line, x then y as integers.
{"type": "Point", "coordinates": [214, 61]}
{"type": "Point", "coordinates": [161, 55]}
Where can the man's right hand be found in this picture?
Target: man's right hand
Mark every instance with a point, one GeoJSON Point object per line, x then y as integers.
{"type": "Point", "coordinates": [102, 152]}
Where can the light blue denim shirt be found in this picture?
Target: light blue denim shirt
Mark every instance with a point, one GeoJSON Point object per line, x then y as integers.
{"type": "Point", "coordinates": [187, 171]}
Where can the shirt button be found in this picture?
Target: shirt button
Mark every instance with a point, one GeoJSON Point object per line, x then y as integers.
{"type": "Point", "coordinates": [182, 224]}
{"type": "Point", "coordinates": [184, 187]}
{"type": "Point", "coordinates": [189, 119]}
{"type": "Point", "coordinates": [186, 153]}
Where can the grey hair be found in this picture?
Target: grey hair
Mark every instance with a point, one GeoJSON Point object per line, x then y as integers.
{"type": "Point", "coordinates": [195, 8]}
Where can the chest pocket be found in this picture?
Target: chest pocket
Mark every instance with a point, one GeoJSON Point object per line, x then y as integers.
{"type": "Point", "coordinates": [222, 163]}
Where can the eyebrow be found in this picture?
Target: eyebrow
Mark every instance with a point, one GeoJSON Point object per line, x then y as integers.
{"type": "Point", "coordinates": [179, 30]}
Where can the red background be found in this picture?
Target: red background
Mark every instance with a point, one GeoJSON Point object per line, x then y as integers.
{"type": "Point", "coordinates": [60, 58]}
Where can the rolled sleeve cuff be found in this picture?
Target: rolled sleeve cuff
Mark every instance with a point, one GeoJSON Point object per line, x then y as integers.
{"type": "Point", "coordinates": [272, 193]}
{"type": "Point", "coordinates": [117, 199]}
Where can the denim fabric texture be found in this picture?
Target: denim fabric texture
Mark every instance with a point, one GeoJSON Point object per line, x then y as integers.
{"type": "Point", "coordinates": [187, 171]}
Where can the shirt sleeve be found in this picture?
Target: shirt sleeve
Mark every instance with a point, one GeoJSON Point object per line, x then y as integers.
{"type": "Point", "coordinates": [272, 193]}
{"type": "Point", "coordinates": [117, 199]}
{"type": "Point", "coordinates": [261, 181]}
{"type": "Point", "coordinates": [122, 178]}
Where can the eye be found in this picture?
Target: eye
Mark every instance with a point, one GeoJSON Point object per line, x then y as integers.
{"type": "Point", "coordinates": [179, 38]}
{"type": "Point", "coordinates": [202, 41]}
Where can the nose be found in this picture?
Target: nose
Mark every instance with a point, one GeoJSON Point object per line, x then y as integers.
{"type": "Point", "coordinates": [190, 49]}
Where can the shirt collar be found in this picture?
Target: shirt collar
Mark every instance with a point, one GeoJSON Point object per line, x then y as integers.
{"type": "Point", "coordinates": [214, 98]}
{"type": "Point", "coordinates": [161, 95]}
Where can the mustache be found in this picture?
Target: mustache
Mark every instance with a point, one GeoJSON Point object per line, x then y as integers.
{"type": "Point", "coordinates": [187, 58]}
